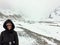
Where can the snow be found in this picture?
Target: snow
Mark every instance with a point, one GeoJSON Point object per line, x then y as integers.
{"type": "Point", "coordinates": [26, 41]}
{"type": "Point", "coordinates": [33, 10]}
{"type": "Point", "coordinates": [49, 42]}
{"type": "Point", "coordinates": [43, 29]}
{"type": "Point", "coordinates": [39, 28]}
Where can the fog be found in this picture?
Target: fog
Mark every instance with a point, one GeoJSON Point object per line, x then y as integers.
{"type": "Point", "coordinates": [30, 9]}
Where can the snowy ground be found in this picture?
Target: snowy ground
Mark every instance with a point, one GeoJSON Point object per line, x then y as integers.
{"type": "Point", "coordinates": [47, 29]}
{"type": "Point", "coordinates": [36, 33]}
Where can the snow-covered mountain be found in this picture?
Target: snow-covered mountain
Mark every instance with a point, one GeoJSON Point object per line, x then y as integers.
{"type": "Point", "coordinates": [13, 17]}
{"type": "Point", "coordinates": [38, 33]}
{"type": "Point", "coordinates": [55, 15]}
{"type": "Point", "coordinates": [32, 32]}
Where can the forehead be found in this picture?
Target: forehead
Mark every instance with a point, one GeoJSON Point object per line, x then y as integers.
{"type": "Point", "coordinates": [8, 24]}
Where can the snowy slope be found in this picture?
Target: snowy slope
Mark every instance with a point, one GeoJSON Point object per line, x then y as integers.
{"type": "Point", "coordinates": [32, 33]}
{"type": "Point", "coordinates": [48, 28]}
{"type": "Point", "coordinates": [44, 29]}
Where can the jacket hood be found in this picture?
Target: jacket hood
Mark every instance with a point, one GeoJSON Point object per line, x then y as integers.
{"type": "Point", "coordinates": [8, 21]}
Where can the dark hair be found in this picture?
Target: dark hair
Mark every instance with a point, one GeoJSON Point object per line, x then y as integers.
{"type": "Point", "coordinates": [8, 21]}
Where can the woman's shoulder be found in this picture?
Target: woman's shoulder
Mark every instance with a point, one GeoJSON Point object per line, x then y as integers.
{"type": "Point", "coordinates": [2, 32]}
{"type": "Point", "coordinates": [15, 32]}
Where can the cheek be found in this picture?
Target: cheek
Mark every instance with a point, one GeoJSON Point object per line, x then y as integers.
{"type": "Point", "coordinates": [9, 26]}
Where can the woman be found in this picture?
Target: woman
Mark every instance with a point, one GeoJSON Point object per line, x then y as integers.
{"type": "Point", "coordinates": [8, 36]}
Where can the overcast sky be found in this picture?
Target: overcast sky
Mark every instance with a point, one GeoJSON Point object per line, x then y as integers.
{"type": "Point", "coordinates": [30, 9]}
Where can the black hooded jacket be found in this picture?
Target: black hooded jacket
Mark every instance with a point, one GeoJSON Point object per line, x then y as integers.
{"type": "Point", "coordinates": [8, 37]}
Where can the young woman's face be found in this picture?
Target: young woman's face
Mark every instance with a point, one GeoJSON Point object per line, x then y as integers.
{"type": "Point", "coordinates": [9, 26]}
